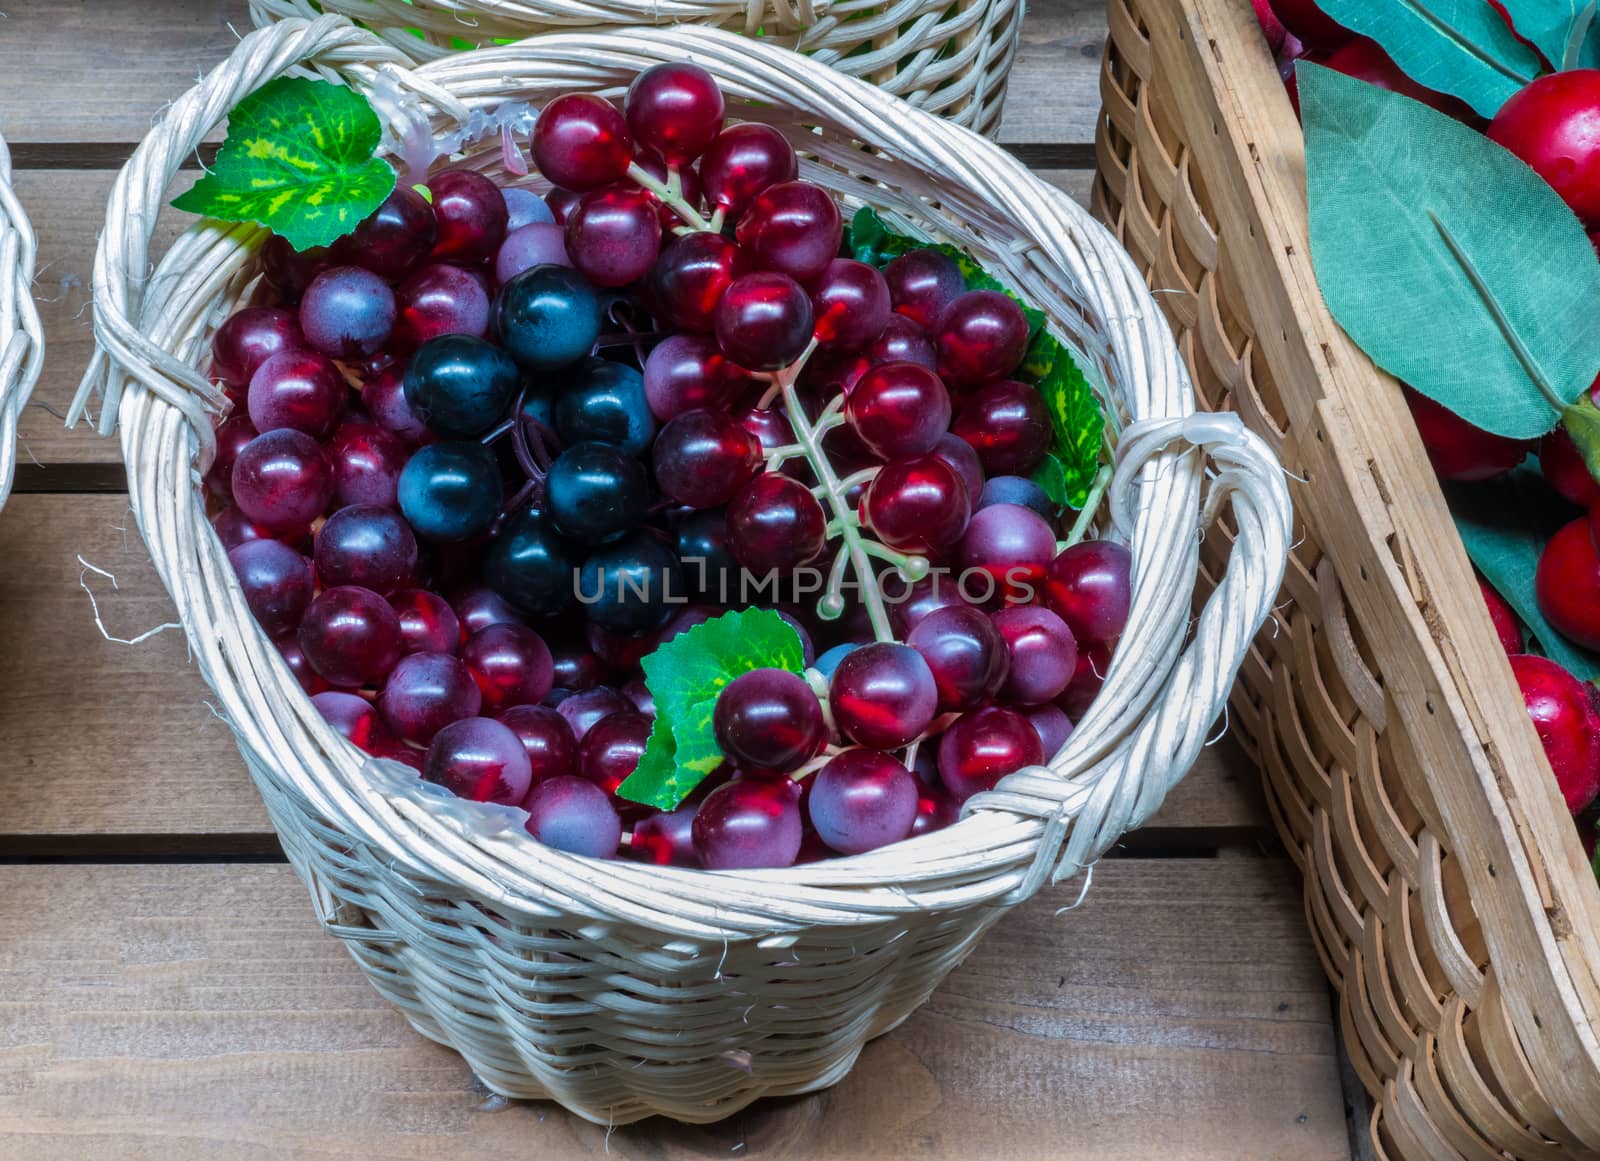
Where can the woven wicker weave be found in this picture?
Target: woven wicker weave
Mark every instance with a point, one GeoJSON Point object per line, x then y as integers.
{"type": "Point", "coordinates": [1446, 887]}
{"type": "Point", "coordinates": [950, 57]}
{"type": "Point", "coordinates": [21, 338]}
{"type": "Point", "coordinates": [617, 989]}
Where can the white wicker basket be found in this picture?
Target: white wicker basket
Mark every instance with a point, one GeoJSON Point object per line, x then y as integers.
{"type": "Point", "coordinates": [21, 337]}
{"type": "Point", "coordinates": [950, 57]}
{"type": "Point", "coordinates": [622, 990]}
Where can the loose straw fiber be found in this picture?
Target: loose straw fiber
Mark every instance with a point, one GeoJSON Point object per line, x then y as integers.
{"type": "Point", "coordinates": [618, 989]}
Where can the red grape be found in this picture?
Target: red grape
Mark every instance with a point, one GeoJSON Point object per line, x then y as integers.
{"type": "Point", "coordinates": [301, 390]}
{"type": "Point", "coordinates": [749, 822]}
{"type": "Point", "coordinates": [1007, 425]}
{"type": "Point", "coordinates": [861, 801]}
{"type": "Point", "coordinates": [366, 546]}
{"type": "Point", "coordinates": [667, 839]}
{"type": "Point", "coordinates": [703, 458]}
{"type": "Point", "coordinates": [470, 214]}
{"type": "Point", "coordinates": [427, 622]}
{"type": "Point", "coordinates": [479, 759]}
{"type": "Point", "coordinates": [384, 397]}
{"type": "Point", "coordinates": [883, 695]}
{"type": "Point", "coordinates": [674, 109]}
{"type": "Point", "coordinates": [690, 276]}
{"type": "Point", "coordinates": [581, 142]}
{"type": "Point", "coordinates": [613, 236]}
{"type": "Point", "coordinates": [902, 341]}
{"type": "Point", "coordinates": [1011, 543]}
{"type": "Point", "coordinates": [587, 707]}
{"type": "Point", "coordinates": [1568, 583]}
{"type": "Point", "coordinates": [741, 162]}
{"type": "Point", "coordinates": [232, 435]}
{"type": "Point", "coordinates": [249, 338]}
{"type": "Point", "coordinates": [769, 719]}
{"type": "Point", "coordinates": [917, 505]}
{"type": "Point", "coordinates": [688, 371]}
{"type": "Point", "coordinates": [1559, 460]}
{"type": "Point", "coordinates": [1554, 125]}
{"type": "Point", "coordinates": [851, 303]}
{"type": "Point", "coordinates": [922, 285]}
{"type": "Point", "coordinates": [351, 637]}
{"type": "Point", "coordinates": [776, 523]}
{"type": "Point", "coordinates": [1043, 651]}
{"type": "Point", "coordinates": [1562, 714]}
{"type": "Point", "coordinates": [282, 480]}
{"type": "Point", "coordinates": [367, 461]}
{"type": "Point", "coordinates": [552, 750]}
{"type": "Point", "coordinates": [1458, 450]}
{"type": "Point", "coordinates": [983, 747]}
{"type": "Point", "coordinates": [1089, 587]}
{"type": "Point", "coordinates": [511, 664]}
{"type": "Point", "coordinates": [354, 719]}
{"type": "Point", "coordinates": [394, 240]}
{"type": "Point", "coordinates": [611, 750]}
{"type": "Point", "coordinates": [983, 336]}
{"type": "Point", "coordinates": [536, 244]}
{"type": "Point", "coordinates": [425, 693]}
{"type": "Point", "coordinates": [793, 228]}
{"type": "Point", "coordinates": [899, 409]}
{"type": "Point", "coordinates": [439, 300]}
{"type": "Point", "coordinates": [290, 271]}
{"type": "Point", "coordinates": [965, 653]}
{"type": "Point", "coordinates": [276, 581]}
{"type": "Point", "coordinates": [764, 321]}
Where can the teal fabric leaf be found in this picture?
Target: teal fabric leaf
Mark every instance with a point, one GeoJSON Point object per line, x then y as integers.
{"type": "Point", "coordinates": [1449, 261]}
{"type": "Point", "coordinates": [1505, 525]}
{"type": "Point", "coordinates": [1460, 47]}
{"type": "Point", "coordinates": [1553, 26]}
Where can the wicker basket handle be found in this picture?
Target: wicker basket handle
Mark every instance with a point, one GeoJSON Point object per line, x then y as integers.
{"type": "Point", "coordinates": [127, 300]}
{"type": "Point", "coordinates": [21, 336]}
{"type": "Point", "coordinates": [1086, 814]}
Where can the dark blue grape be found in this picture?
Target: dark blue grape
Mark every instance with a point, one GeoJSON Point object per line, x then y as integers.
{"type": "Point", "coordinates": [460, 386]}
{"type": "Point", "coordinates": [540, 405]}
{"type": "Point", "coordinates": [710, 573]}
{"type": "Point", "coordinates": [605, 403]}
{"type": "Point", "coordinates": [531, 565]}
{"type": "Point", "coordinates": [595, 493]}
{"type": "Point", "coordinates": [829, 661]}
{"type": "Point", "coordinates": [1016, 490]}
{"type": "Point", "coordinates": [629, 586]}
{"type": "Point", "coordinates": [451, 491]}
{"type": "Point", "coordinates": [548, 317]}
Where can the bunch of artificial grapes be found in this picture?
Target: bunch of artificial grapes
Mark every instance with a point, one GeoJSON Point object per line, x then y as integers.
{"type": "Point", "coordinates": [484, 403]}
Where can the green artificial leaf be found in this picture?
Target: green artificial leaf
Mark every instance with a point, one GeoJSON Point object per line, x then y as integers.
{"type": "Point", "coordinates": [1074, 414]}
{"type": "Point", "coordinates": [1505, 525]}
{"type": "Point", "coordinates": [1460, 47]}
{"type": "Point", "coordinates": [1557, 28]}
{"type": "Point", "coordinates": [1582, 421]}
{"type": "Point", "coordinates": [685, 675]}
{"type": "Point", "coordinates": [1052, 477]}
{"type": "Point", "coordinates": [298, 158]}
{"type": "Point", "coordinates": [1449, 261]}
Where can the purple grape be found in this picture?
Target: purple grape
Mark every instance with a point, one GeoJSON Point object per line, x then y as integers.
{"type": "Point", "coordinates": [478, 606]}
{"type": "Point", "coordinates": [427, 622]}
{"type": "Point", "coordinates": [479, 759]}
{"type": "Point", "coordinates": [347, 312]}
{"type": "Point", "coordinates": [384, 397]}
{"type": "Point", "coordinates": [983, 747]}
{"type": "Point", "coordinates": [367, 461]}
{"type": "Point", "coordinates": [862, 800]}
{"type": "Point", "coordinates": [524, 208]}
{"type": "Point", "coordinates": [575, 816]}
{"type": "Point", "coordinates": [301, 390]}
{"type": "Point", "coordinates": [234, 528]}
{"type": "Point", "coordinates": [425, 693]}
{"type": "Point", "coordinates": [769, 719]}
{"type": "Point", "coordinates": [249, 338]}
{"type": "Point", "coordinates": [586, 707]}
{"type": "Point", "coordinates": [354, 719]}
{"type": "Point", "coordinates": [277, 583]}
{"type": "Point", "coordinates": [539, 244]}
{"type": "Point", "coordinates": [367, 546]}
{"type": "Point", "coordinates": [282, 480]}
{"type": "Point", "coordinates": [439, 300]}
{"type": "Point", "coordinates": [290, 271]}
{"type": "Point", "coordinates": [351, 637]}
{"type": "Point", "coordinates": [667, 839]}
{"type": "Point", "coordinates": [511, 664]}
{"type": "Point", "coordinates": [394, 240]}
{"type": "Point", "coordinates": [552, 750]}
{"type": "Point", "coordinates": [1044, 654]}
{"type": "Point", "coordinates": [883, 695]}
{"type": "Point", "coordinates": [752, 821]}
{"type": "Point", "coordinates": [966, 654]}
{"type": "Point", "coordinates": [232, 434]}
{"type": "Point", "coordinates": [1053, 726]}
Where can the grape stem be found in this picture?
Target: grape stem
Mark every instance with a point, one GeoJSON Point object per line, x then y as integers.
{"type": "Point", "coordinates": [1080, 526]}
{"type": "Point", "coordinates": [669, 196]}
{"type": "Point", "coordinates": [808, 437]}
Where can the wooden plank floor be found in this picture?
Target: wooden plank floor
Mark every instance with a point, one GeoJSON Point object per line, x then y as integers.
{"type": "Point", "coordinates": [164, 991]}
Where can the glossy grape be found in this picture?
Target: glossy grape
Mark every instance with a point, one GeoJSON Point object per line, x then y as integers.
{"type": "Point", "coordinates": [614, 236]}
{"type": "Point", "coordinates": [367, 546]}
{"type": "Point", "coordinates": [524, 208]}
{"type": "Point", "coordinates": [479, 606]}
{"type": "Point", "coordinates": [301, 390]}
{"type": "Point", "coordinates": [704, 458]}
{"type": "Point", "coordinates": [531, 565]}
{"type": "Point", "coordinates": [1458, 450]}
{"type": "Point", "coordinates": [354, 719]}
{"type": "Point", "coordinates": [282, 480]}
{"type": "Point", "coordinates": [367, 461]}
{"type": "Point", "coordinates": [425, 693]}
{"type": "Point", "coordinates": [675, 110]}
{"type": "Point", "coordinates": [589, 706]}
{"type": "Point", "coordinates": [604, 402]}
{"type": "Point", "coordinates": [628, 584]}
{"type": "Point", "coordinates": [1089, 586]}
{"type": "Point", "coordinates": [689, 371]}
{"type": "Point", "coordinates": [741, 162]}
{"type": "Point", "coordinates": [575, 816]}
{"type": "Point", "coordinates": [610, 751]}
{"type": "Point", "coordinates": [347, 312]}
{"type": "Point", "coordinates": [667, 839]}
{"type": "Point", "coordinates": [1567, 584]}
{"type": "Point", "coordinates": [290, 271]}
{"type": "Point", "coordinates": [794, 228]}
{"type": "Point", "coordinates": [902, 341]}
{"type": "Point", "coordinates": [595, 493]}
{"type": "Point", "coordinates": [899, 409]}
{"type": "Point", "coordinates": [249, 338]}
{"type": "Point", "coordinates": [450, 492]}
{"type": "Point", "coordinates": [511, 664]}
{"type": "Point", "coordinates": [460, 386]}
{"type": "Point", "coordinates": [689, 278]}
{"type": "Point", "coordinates": [776, 523]}
{"type": "Point", "coordinates": [917, 505]}
{"type": "Point", "coordinates": [295, 658]}
{"type": "Point", "coordinates": [983, 747]}
{"type": "Point", "coordinates": [351, 637]}
{"type": "Point", "coordinates": [982, 336]}
{"type": "Point", "coordinates": [384, 397]}
{"type": "Point", "coordinates": [747, 823]}
{"type": "Point", "coordinates": [1094, 663]}
{"type": "Point", "coordinates": [965, 653]}
{"type": "Point", "coordinates": [1044, 654]}
{"type": "Point", "coordinates": [470, 214]}
{"type": "Point", "coordinates": [1017, 490]}
{"type": "Point", "coordinates": [547, 738]}
{"type": "Point", "coordinates": [936, 809]}
{"type": "Point", "coordinates": [1013, 544]}
{"type": "Point", "coordinates": [277, 583]}
{"type": "Point", "coordinates": [861, 801]}
{"type": "Point", "coordinates": [234, 528]}
{"type": "Point", "coordinates": [479, 759]}
{"type": "Point", "coordinates": [764, 321]}
{"type": "Point", "coordinates": [1563, 716]}
{"type": "Point", "coordinates": [395, 239]}
{"type": "Point", "coordinates": [427, 622]}
{"type": "Point", "coordinates": [1052, 725]}
{"type": "Point", "coordinates": [581, 142]}
{"type": "Point", "coordinates": [922, 284]}
{"type": "Point", "coordinates": [439, 300]}
{"type": "Point", "coordinates": [537, 244]}
{"type": "Point", "coordinates": [548, 317]}
{"type": "Point", "coordinates": [1562, 466]}
{"type": "Point", "coordinates": [770, 426]}
{"type": "Point", "coordinates": [710, 571]}
{"type": "Point", "coordinates": [959, 455]}
{"type": "Point", "coordinates": [1007, 425]}
{"type": "Point", "coordinates": [769, 719]}
{"type": "Point", "coordinates": [232, 435]}
{"type": "Point", "coordinates": [883, 695]}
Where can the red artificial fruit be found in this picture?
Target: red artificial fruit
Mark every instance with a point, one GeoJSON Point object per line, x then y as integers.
{"type": "Point", "coordinates": [1271, 26]}
{"type": "Point", "coordinates": [1563, 715]}
{"type": "Point", "coordinates": [1458, 450]}
{"type": "Point", "coordinates": [1307, 21]}
{"type": "Point", "coordinates": [1564, 469]}
{"type": "Point", "coordinates": [1568, 583]}
{"type": "Point", "coordinates": [1506, 626]}
{"type": "Point", "coordinates": [1554, 125]}
{"type": "Point", "coordinates": [1365, 60]}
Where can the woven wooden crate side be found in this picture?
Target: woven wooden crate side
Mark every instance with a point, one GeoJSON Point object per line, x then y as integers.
{"type": "Point", "coordinates": [1445, 886]}
{"type": "Point", "coordinates": [950, 57]}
